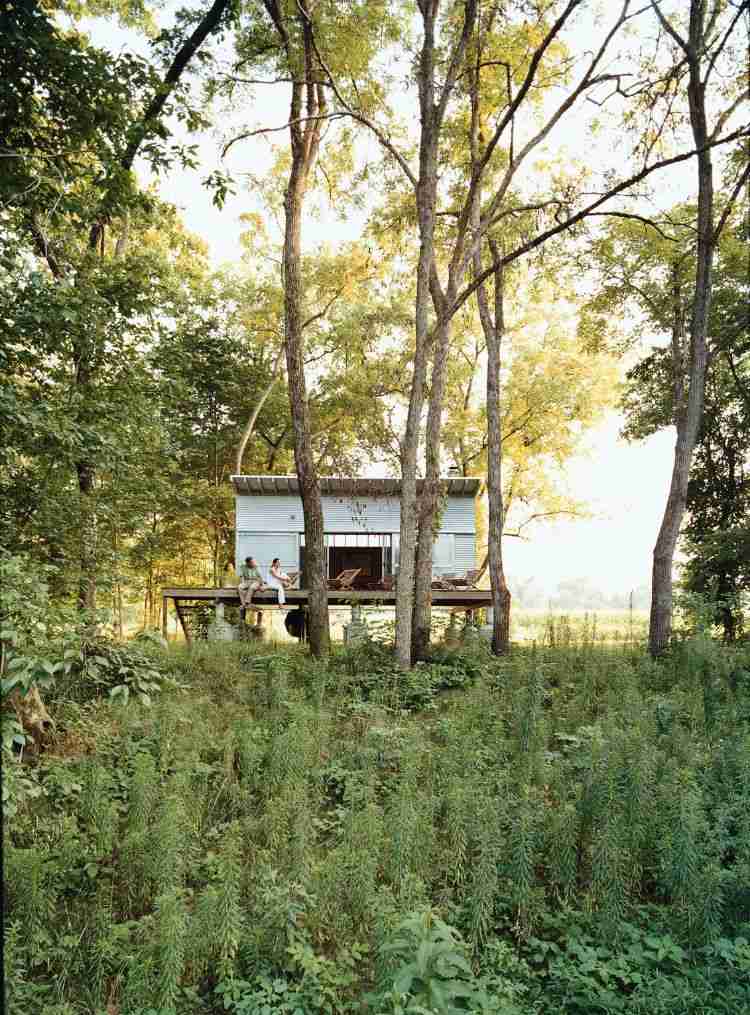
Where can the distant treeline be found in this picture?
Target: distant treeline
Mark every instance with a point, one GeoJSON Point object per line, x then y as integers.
{"type": "Point", "coordinates": [578, 594]}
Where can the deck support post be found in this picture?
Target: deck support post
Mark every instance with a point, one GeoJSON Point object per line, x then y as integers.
{"type": "Point", "coordinates": [485, 631]}
{"type": "Point", "coordinates": [452, 634]}
{"type": "Point", "coordinates": [355, 632]}
{"type": "Point", "coordinates": [181, 618]}
{"type": "Point", "coordinates": [469, 634]}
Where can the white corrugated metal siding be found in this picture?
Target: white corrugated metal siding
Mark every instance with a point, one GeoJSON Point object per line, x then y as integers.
{"type": "Point", "coordinates": [284, 514]}
{"type": "Point", "coordinates": [268, 526]}
{"type": "Point", "coordinates": [444, 553]}
{"type": "Point", "coordinates": [264, 512]}
{"type": "Point", "coordinates": [466, 555]}
{"type": "Point", "coordinates": [264, 546]}
{"type": "Point", "coordinates": [458, 515]}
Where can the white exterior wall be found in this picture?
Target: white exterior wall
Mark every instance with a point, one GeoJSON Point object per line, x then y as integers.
{"type": "Point", "coordinates": [264, 546]}
{"type": "Point", "coordinates": [466, 553]}
{"type": "Point", "coordinates": [268, 526]}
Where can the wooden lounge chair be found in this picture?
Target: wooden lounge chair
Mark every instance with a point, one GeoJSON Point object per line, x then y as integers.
{"type": "Point", "coordinates": [293, 578]}
{"type": "Point", "coordinates": [467, 581]}
{"type": "Point", "coordinates": [344, 580]}
{"type": "Point", "coordinates": [444, 583]}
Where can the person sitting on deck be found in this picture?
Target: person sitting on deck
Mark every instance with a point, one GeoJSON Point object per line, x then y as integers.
{"type": "Point", "coordinates": [278, 579]}
{"type": "Point", "coordinates": [251, 580]}
{"type": "Point", "coordinates": [229, 577]}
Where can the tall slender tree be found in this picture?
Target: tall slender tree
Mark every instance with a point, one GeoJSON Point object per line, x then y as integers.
{"type": "Point", "coordinates": [707, 38]}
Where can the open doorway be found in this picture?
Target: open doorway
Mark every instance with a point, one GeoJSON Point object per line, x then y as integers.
{"type": "Point", "coordinates": [371, 552]}
{"type": "Point", "coordinates": [369, 559]}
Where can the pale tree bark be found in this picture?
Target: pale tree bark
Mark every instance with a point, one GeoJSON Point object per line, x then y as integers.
{"type": "Point", "coordinates": [426, 194]}
{"type": "Point", "coordinates": [32, 714]}
{"type": "Point", "coordinates": [413, 616]}
{"type": "Point", "coordinates": [700, 55]}
{"type": "Point", "coordinates": [471, 225]}
{"type": "Point", "coordinates": [430, 499]}
{"type": "Point", "coordinates": [304, 130]}
{"type": "Point", "coordinates": [425, 190]}
{"type": "Point", "coordinates": [493, 325]}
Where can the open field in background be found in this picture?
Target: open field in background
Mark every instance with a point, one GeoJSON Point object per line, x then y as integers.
{"type": "Point", "coordinates": [578, 626]}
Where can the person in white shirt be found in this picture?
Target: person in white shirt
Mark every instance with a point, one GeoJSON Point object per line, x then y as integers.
{"type": "Point", "coordinates": [278, 579]}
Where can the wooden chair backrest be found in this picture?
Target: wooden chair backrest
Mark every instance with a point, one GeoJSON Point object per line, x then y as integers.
{"type": "Point", "coordinates": [471, 576]}
{"type": "Point", "coordinates": [345, 579]}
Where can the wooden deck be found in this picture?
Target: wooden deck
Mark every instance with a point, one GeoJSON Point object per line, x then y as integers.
{"type": "Point", "coordinates": [190, 598]}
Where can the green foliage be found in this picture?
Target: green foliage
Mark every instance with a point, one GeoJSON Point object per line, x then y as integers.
{"type": "Point", "coordinates": [34, 634]}
{"type": "Point", "coordinates": [48, 647]}
{"type": "Point", "coordinates": [645, 970]}
{"type": "Point", "coordinates": [567, 832]}
{"type": "Point", "coordinates": [119, 670]}
{"type": "Point", "coordinates": [424, 967]}
{"type": "Point", "coordinates": [715, 536]}
{"type": "Point", "coordinates": [170, 935]}
{"type": "Point", "coordinates": [370, 671]}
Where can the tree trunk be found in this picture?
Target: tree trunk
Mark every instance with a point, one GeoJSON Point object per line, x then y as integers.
{"type": "Point", "coordinates": [430, 500]}
{"type": "Point", "coordinates": [32, 714]}
{"type": "Point", "coordinates": [494, 326]}
{"type": "Point", "coordinates": [87, 537]}
{"type": "Point", "coordinates": [305, 140]}
{"type": "Point", "coordinates": [315, 564]}
{"type": "Point", "coordinates": [688, 415]}
{"type": "Point", "coordinates": [426, 199]}
{"type": "Point", "coordinates": [432, 115]}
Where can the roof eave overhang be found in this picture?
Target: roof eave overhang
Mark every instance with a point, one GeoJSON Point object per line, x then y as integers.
{"type": "Point", "coordinates": [348, 486]}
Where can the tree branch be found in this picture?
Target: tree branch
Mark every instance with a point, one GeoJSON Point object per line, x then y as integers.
{"type": "Point", "coordinates": [742, 8]}
{"type": "Point", "coordinates": [743, 391]}
{"type": "Point", "coordinates": [364, 120]}
{"type": "Point", "coordinates": [579, 216]}
{"type": "Point", "coordinates": [295, 122]}
{"type": "Point", "coordinates": [741, 181]}
{"type": "Point", "coordinates": [42, 246]}
{"type": "Point", "coordinates": [247, 433]}
{"type": "Point", "coordinates": [207, 25]}
{"type": "Point", "coordinates": [637, 218]}
{"type": "Point", "coordinates": [324, 311]}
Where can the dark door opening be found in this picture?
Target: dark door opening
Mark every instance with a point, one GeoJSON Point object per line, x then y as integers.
{"type": "Point", "coordinates": [368, 558]}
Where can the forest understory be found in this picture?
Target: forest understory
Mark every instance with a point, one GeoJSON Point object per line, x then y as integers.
{"type": "Point", "coordinates": [247, 830]}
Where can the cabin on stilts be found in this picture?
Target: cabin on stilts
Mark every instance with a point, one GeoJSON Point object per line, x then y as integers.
{"type": "Point", "coordinates": [361, 532]}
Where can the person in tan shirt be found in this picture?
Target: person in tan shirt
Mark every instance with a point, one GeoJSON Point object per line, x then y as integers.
{"type": "Point", "coordinates": [251, 580]}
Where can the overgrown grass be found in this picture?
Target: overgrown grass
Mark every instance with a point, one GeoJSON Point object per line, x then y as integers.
{"type": "Point", "coordinates": [597, 626]}
{"type": "Point", "coordinates": [563, 831]}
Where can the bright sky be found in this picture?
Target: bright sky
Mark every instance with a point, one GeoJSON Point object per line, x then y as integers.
{"type": "Point", "coordinates": [625, 484]}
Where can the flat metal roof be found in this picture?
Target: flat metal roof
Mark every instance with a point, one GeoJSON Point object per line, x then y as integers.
{"type": "Point", "coordinates": [348, 486]}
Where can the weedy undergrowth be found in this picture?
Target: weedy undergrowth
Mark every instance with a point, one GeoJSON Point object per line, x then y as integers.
{"type": "Point", "coordinates": [564, 830]}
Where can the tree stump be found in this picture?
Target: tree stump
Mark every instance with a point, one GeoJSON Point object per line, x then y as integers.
{"type": "Point", "coordinates": [32, 714]}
